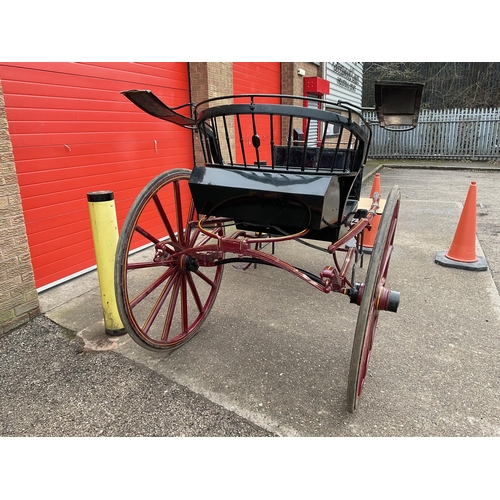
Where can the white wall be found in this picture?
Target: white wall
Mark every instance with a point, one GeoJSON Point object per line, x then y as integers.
{"type": "Point", "coordinates": [346, 81]}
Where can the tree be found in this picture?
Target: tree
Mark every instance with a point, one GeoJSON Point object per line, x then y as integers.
{"type": "Point", "coordinates": [447, 84]}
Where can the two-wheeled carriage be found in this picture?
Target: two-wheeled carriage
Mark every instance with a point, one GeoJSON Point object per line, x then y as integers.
{"type": "Point", "coordinates": [274, 170]}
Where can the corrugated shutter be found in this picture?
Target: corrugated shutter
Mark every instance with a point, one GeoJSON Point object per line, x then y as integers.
{"type": "Point", "coordinates": [73, 133]}
{"type": "Point", "coordinates": [257, 78]}
{"type": "Point", "coordinates": [312, 133]}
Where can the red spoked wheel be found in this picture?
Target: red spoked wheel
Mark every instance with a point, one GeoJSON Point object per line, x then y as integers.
{"type": "Point", "coordinates": [372, 298]}
{"type": "Point", "coordinates": [164, 296]}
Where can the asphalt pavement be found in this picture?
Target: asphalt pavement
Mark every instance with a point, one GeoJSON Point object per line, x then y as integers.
{"type": "Point", "coordinates": [273, 356]}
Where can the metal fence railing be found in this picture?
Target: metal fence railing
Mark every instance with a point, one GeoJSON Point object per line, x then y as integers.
{"type": "Point", "coordinates": [465, 134]}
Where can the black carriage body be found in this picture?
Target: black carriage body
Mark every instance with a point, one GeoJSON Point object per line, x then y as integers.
{"type": "Point", "coordinates": [260, 173]}
{"type": "Point", "coordinates": [290, 201]}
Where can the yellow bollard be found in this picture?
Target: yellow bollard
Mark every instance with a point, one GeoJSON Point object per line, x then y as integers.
{"type": "Point", "coordinates": [105, 236]}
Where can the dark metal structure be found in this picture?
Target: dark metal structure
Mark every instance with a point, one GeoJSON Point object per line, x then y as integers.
{"type": "Point", "coordinates": [397, 105]}
{"type": "Point", "coordinates": [276, 168]}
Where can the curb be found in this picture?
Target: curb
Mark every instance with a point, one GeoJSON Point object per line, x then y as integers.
{"type": "Point", "coordinates": [494, 168]}
{"type": "Point", "coordinates": [372, 172]}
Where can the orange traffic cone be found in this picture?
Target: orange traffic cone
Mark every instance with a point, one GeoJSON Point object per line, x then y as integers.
{"type": "Point", "coordinates": [376, 186]}
{"type": "Point", "coordinates": [369, 236]}
{"type": "Point", "coordinates": [462, 252]}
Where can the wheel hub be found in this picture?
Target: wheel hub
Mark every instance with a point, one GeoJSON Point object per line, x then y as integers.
{"type": "Point", "coordinates": [188, 264]}
{"type": "Point", "coordinates": [385, 299]}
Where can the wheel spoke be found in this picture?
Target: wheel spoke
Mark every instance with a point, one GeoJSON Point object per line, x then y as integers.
{"type": "Point", "coordinates": [206, 279]}
{"type": "Point", "coordinates": [184, 304]}
{"type": "Point", "coordinates": [146, 234]}
{"type": "Point", "coordinates": [190, 217]}
{"type": "Point", "coordinates": [193, 236]}
{"type": "Point", "coordinates": [159, 303]}
{"type": "Point", "coordinates": [144, 265]}
{"type": "Point", "coordinates": [164, 218]}
{"type": "Point", "coordinates": [171, 309]}
{"type": "Point", "coordinates": [151, 288]}
{"type": "Point", "coordinates": [367, 348]}
{"type": "Point", "coordinates": [178, 210]}
{"type": "Point", "coordinates": [195, 293]}
{"type": "Point", "coordinates": [384, 265]}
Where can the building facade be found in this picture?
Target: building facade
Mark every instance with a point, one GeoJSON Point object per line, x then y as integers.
{"type": "Point", "coordinates": [65, 130]}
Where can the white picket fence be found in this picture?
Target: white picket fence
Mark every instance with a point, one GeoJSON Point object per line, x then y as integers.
{"type": "Point", "coordinates": [464, 134]}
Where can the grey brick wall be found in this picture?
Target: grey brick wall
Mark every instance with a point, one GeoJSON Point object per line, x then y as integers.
{"type": "Point", "coordinates": [18, 295]}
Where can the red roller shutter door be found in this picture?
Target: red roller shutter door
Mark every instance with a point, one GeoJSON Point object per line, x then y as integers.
{"type": "Point", "coordinates": [257, 78]}
{"type": "Point", "coordinates": [73, 133]}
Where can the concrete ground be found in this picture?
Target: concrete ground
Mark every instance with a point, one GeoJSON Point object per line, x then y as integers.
{"type": "Point", "coordinates": [272, 358]}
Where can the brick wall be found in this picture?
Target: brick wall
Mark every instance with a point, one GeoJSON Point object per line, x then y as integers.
{"type": "Point", "coordinates": [210, 79]}
{"type": "Point", "coordinates": [293, 84]}
{"type": "Point", "coordinates": [18, 295]}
